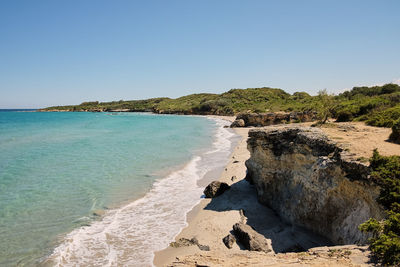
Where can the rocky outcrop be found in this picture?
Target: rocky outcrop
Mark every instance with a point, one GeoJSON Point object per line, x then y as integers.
{"type": "Point", "coordinates": [238, 123]}
{"type": "Point", "coordinates": [215, 189]}
{"type": "Point", "coordinates": [184, 242]}
{"type": "Point", "coordinates": [311, 182]}
{"type": "Point", "coordinates": [118, 110]}
{"type": "Point", "coordinates": [250, 239]}
{"type": "Point", "coordinates": [229, 240]}
{"type": "Point", "coordinates": [266, 119]}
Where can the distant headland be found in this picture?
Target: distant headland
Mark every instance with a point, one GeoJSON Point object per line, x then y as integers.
{"type": "Point", "coordinates": [376, 105]}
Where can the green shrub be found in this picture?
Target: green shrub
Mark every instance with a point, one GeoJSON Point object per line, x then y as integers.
{"type": "Point", "coordinates": [384, 118]}
{"type": "Point", "coordinates": [372, 91]}
{"type": "Point", "coordinates": [300, 95]}
{"type": "Point", "coordinates": [395, 135]}
{"type": "Point", "coordinates": [385, 241]}
{"type": "Point", "coordinates": [390, 88]}
{"type": "Point", "coordinates": [344, 115]}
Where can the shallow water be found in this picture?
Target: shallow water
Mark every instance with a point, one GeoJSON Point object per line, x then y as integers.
{"type": "Point", "coordinates": [138, 171]}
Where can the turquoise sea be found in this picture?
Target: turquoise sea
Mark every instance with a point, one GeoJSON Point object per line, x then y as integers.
{"type": "Point", "coordinates": [81, 189]}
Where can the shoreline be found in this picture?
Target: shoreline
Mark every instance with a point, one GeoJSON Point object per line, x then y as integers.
{"type": "Point", "coordinates": [212, 219]}
{"type": "Point", "coordinates": [234, 168]}
{"type": "Point", "coordinates": [178, 202]}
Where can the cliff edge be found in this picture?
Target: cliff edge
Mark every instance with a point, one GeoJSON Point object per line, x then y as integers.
{"type": "Point", "coordinates": [312, 182]}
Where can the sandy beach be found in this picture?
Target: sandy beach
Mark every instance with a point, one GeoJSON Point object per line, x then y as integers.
{"type": "Point", "coordinates": [209, 225]}
{"type": "Point", "coordinates": [212, 219]}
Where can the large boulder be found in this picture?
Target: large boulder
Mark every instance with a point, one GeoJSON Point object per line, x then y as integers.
{"type": "Point", "coordinates": [229, 240]}
{"type": "Point", "coordinates": [238, 123]}
{"type": "Point", "coordinates": [250, 239]}
{"type": "Point", "coordinates": [215, 189]}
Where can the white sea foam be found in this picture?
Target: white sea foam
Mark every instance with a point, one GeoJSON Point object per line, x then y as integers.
{"type": "Point", "coordinates": [130, 235]}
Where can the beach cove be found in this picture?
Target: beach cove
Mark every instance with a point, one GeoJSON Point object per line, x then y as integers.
{"type": "Point", "coordinates": [201, 242]}
{"type": "Point", "coordinates": [134, 175]}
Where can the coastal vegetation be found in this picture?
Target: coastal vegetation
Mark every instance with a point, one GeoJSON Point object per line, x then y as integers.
{"type": "Point", "coordinates": [325, 106]}
{"type": "Point", "coordinates": [395, 135]}
{"type": "Point", "coordinates": [385, 241]}
{"type": "Point", "coordinates": [376, 105]}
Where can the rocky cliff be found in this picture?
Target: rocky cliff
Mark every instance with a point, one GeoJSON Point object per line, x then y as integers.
{"type": "Point", "coordinates": [311, 182]}
{"type": "Point", "coordinates": [266, 119]}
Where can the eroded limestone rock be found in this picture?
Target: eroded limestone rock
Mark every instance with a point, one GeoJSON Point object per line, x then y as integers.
{"type": "Point", "coordinates": [266, 119]}
{"type": "Point", "coordinates": [184, 242]}
{"type": "Point", "coordinates": [238, 123]}
{"type": "Point", "coordinates": [229, 240]}
{"type": "Point", "coordinates": [311, 182]}
{"type": "Point", "coordinates": [250, 239]}
{"type": "Point", "coordinates": [215, 189]}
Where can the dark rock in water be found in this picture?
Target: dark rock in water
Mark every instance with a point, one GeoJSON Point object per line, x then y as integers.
{"type": "Point", "coordinates": [215, 189]}
{"type": "Point", "coordinates": [229, 240]}
{"type": "Point", "coordinates": [249, 238]}
{"type": "Point", "coordinates": [238, 123]}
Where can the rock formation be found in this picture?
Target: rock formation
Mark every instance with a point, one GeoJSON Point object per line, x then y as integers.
{"type": "Point", "coordinates": [266, 119]}
{"type": "Point", "coordinates": [311, 182]}
{"type": "Point", "coordinates": [250, 239]}
{"type": "Point", "coordinates": [238, 123]}
{"type": "Point", "coordinates": [229, 240]}
{"type": "Point", "coordinates": [184, 242]}
{"type": "Point", "coordinates": [215, 189]}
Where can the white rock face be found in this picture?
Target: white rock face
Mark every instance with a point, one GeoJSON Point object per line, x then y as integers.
{"type": "Point", "coordinates": [311, 182]}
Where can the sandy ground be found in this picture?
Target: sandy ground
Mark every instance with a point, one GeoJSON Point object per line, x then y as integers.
{"type": "Point", "coordinates": [212, 219]}
{"type": "Point", "coordinates": [361, 139]}
{"type": "Point", "coordinates": [356, 137]}
{"type": "Point", "coordinates": [209, 226]}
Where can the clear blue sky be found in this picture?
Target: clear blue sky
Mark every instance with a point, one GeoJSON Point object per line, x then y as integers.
{"type": "Point", "coordinates": [66, 52]}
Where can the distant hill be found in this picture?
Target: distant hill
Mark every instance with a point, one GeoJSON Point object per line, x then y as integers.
{"type": "Point", "coordinates": [228, 103]}
{"type": "Point", "coordinates": [377, 105]}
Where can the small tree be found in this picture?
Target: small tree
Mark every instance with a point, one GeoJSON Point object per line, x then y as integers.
{"type": "Point", "coordinates": [325, 106]}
